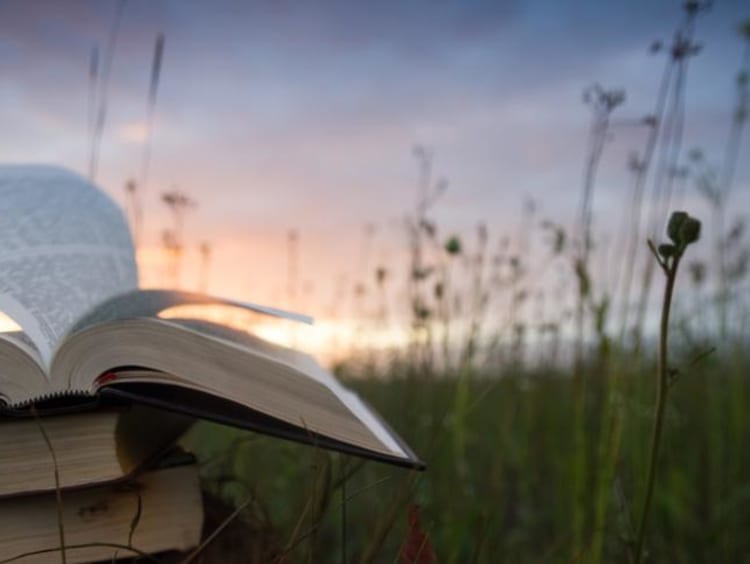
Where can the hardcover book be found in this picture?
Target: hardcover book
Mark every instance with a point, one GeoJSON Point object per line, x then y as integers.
{"type": "Point", "coordinates": [90, 447]}
{"type": "Point", "coordinates": [160, 510]}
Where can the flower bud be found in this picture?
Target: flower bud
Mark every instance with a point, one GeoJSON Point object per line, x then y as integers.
{"type": "Point", "coordinates": [453, 246]}
{"type": "Point", "coordinates": [690, 231]}
{"type": "Point", "coordinates": [673, 227]}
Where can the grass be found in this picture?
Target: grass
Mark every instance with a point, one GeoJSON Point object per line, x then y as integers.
{"type": "Point", "coordinates": [542, 462]}
{"type": "Point", "coordinates": [510, 499]}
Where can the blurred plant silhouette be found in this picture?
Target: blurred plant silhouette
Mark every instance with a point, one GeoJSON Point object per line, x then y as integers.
{"type": "Point", "coordinates": [173, 242]}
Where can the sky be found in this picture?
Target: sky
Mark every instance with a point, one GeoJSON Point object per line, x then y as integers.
{"type": "Point", "coordinates": [279, 116]}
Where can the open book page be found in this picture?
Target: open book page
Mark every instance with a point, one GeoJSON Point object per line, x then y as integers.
{"type": "Point", "coordinates": [149, 303]}
{"type": "Point", "coordinates": [22, 340]}
{"type": "Point", "coordinates": [218, 362]}
{"type": "Point", "coordinates": [303, 363]}
{"type": "Point", "coordinates": [64, 247]}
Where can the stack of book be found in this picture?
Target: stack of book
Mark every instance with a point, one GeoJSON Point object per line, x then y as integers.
{"type": "Point", "coordinates": [120, 383]}
{"type": "Point", "coordinates": [99, 485]}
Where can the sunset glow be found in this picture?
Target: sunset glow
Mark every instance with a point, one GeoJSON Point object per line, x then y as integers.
{"type": "Point", "coordinates": [275, 120]}
{"type": "Point", "coordinates": [327, 339]}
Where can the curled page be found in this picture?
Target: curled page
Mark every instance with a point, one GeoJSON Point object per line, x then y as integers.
{"type": "Point", "coordinates": [149, 303]}
{"type": "Point", "coordinates": [64, 247]}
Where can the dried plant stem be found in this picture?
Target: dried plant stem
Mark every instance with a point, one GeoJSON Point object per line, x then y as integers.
{"type": "Point", "coordinates": [671, 145]}
{"type": "Point", "coordinates": [295, 538]}
{"type": "Point", "coordinates": [607, 457]}
{"type": "Point", "coordinates": [240, 508]}
{"type": "Point", "coordinates": [638, 192]}
{"type": "Point", "coordinates": [58, 494]}
{"type": "Point", "coordinates": [388, 518]}
{"type": "Point", "coordinates": [91, 101]}
{"type": "Point", "coordinates": [117, 546]}
{"type": "Point", "coordinates": [728, 169]}
{"type": "Point", "coordinates": [662, 391]}
{"type": "Point", "coordinates": [156, 66]}
{"type": "Point", "coordinates": [603, 103]}
{"type": "Point", "coordinates": [103, 88]}
{"type": "Point", "coordinates": [343, 509]}
{"type": "Point", "coordinates": [136, 518]}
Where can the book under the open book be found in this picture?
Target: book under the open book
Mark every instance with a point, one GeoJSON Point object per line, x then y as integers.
{"type": "Point", "coordinates": [90, 447]}
{"type": "Point", "coordinates": [68, 277]}
{"type": "Point", "coordinates": [159, 510]}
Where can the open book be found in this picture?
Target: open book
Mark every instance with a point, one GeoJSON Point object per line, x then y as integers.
{"type": "Point", "coordinates": [68, 277]}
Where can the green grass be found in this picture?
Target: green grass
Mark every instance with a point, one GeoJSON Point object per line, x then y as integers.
{"type": "Point", "coordinates": [543, 465]}
{"type": "Point", "coordinates": [511, 498]}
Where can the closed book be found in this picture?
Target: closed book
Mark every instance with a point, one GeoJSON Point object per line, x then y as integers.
{"type": "Point", "coordinates": [86, 448]}
{"type": "Point", "coordinates": [158, 511]}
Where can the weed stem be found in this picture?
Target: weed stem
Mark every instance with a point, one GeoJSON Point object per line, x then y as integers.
{"type": "Point", "coordinates": [662, 391]}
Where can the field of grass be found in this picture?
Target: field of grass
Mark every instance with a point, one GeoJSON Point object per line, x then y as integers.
{"type": "Point", "coordinates": [501, 482]}
{"type": "Point", "coordinates": [528, 382]}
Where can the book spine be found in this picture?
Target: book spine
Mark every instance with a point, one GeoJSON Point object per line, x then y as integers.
{"type": "Point", "coordinates": [43, 398]}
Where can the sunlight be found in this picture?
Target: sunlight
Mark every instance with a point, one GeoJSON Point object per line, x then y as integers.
{"type": "Point", "coordinates": [7, 324]}
{"type": "Point", "coordinates": [327, 339]}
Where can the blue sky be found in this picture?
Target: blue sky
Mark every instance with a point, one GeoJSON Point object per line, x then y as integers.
{"type": "Point", "coordinates": [279, 115]}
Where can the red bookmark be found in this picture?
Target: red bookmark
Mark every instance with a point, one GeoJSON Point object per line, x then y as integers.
{"type": "Point", "coordinates": [106, 378]}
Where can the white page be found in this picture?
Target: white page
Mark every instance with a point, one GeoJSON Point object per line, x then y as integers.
{"type": "Point", "coordinates": [64, 247]}
{"type": "Point", "coordinates": [149, 303]}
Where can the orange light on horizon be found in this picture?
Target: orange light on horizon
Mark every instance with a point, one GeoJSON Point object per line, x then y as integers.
{"type": "Point", "coordinates": [327, 339]}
